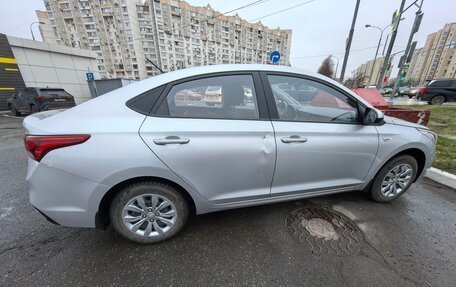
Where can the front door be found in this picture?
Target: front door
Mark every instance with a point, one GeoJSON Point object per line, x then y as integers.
{"type": "Point", "coordinates": [320, 143]}
{"type": "Point", "coordinates": [224, 149]}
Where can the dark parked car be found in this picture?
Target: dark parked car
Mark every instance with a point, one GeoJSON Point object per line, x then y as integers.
{"type": "Point", "coordinates": [32, 100]}
{"type": "Point", "coordinates": [438, 91]}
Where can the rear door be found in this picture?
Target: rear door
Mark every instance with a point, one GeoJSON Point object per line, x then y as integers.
{"type": "Point", "coordinates": [224, 151]}
{"type": "Point", "coordinates": [320, 143]}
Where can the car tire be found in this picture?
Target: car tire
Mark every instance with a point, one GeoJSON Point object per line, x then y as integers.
{"type": "Point", "coordinates": [437, 100]}
{"type": "Point", "coordinates": [34, 109]}
{"type": "Point", "coordinates": [14, 111]}
{"type": "Point", "coordinates": [394, 179]}
{"type": "Point", "coordinates": [410, 96]}
{"type": "Point", "coordinates": [126, 206]}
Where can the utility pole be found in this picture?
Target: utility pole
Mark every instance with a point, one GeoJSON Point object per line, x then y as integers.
{"type": "Point", "coordinates": [405, 58]}
{"type": "Point", "coordinates": [396, 20]}
{"type": "Point", "coordinates": [349, 41]}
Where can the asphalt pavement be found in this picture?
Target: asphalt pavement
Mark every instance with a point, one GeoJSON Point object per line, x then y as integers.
{"type": "Point", "coordinates": [410, 242]}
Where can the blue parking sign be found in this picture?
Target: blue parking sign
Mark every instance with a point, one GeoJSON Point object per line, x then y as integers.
{"type": "Point", "coordinates": [90, 77]}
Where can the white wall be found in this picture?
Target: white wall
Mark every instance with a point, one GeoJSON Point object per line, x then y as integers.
{"type": "Point", "coordinates": [49, 65]}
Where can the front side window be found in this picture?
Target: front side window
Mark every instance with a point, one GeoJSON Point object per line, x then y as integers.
{"type": "Point", "coordinates": [223, 97]}
{"type": "Point", "coordinates": [305, 100]}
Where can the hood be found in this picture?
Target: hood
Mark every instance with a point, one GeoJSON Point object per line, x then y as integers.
{"type": "Point", "coordinates": [403, 123]}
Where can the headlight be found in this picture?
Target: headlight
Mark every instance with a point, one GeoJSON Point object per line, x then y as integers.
{"type": "Point", "coordinates": [431, 135]}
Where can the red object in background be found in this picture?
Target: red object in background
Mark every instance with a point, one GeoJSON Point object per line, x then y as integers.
{"type": "Point", "coordinates": [373, 97]}
{"type": "Point", "coordinates": [385, 79]}
{"type": "Point", "coordinates": [326, 100]}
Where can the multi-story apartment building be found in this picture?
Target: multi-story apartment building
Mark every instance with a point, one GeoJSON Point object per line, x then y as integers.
{"type": "Point", "coordinates": [366, 70]}
{"type": "Point", "coordinates": [171, 33]}
{"type": "Point", "coordinates": [437, 59]}
{"type": "Point", "coordinates": [417, 61]}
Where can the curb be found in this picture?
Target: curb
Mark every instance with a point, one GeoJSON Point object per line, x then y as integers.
{"type": "Point", "coordinates": [442, 177]}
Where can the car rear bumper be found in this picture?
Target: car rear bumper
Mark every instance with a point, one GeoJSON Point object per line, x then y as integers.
{"type": "Point", "coordinates": [55, 106]}
{"type": "Point", "coordinates": [64, 198]}
{"type": "Point", "coordinates": [213, 100]}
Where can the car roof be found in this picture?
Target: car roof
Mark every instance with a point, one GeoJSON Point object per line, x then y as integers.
{"type": "Point", "coordinates": [444, 79]}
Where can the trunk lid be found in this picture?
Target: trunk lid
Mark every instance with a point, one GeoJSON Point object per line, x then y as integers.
{"type": "Point", "coordinates": [31, 123]}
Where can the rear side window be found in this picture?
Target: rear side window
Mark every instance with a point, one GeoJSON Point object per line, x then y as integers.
{"type": "Point", "coordinates": [223, 97]}
{"type": "Point", "coordinates": [440, 84]}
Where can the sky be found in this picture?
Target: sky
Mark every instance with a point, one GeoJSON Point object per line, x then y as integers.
{"type": "Point", "coordinates": [320, 27]}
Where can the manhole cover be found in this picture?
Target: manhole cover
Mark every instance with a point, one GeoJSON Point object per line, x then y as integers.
{"type": "Point", "coordinates": [324, 231]}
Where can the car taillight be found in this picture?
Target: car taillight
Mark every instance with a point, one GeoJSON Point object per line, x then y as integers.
{"type": "Point", "coordinates": [39, 146]}
{"type": "Point", "coordinates": [218, 95]}
{"type": "Point", "coordinates": [205, 94]}
{"type": "Point", "coordinates": [40, 98]}
{"type": "Point", "coordinates": [422, 90]}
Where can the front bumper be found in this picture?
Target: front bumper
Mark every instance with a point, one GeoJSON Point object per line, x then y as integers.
{"type": "Point", "coordinates": [64, 198]}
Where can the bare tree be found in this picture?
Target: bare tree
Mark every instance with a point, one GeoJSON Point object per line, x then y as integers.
{"type": "Point", "coordinates": [327, 67]}
{"type": "Point", "coordinates": [355, 81]}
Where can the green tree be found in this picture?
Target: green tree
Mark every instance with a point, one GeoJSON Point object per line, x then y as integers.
{"type": "Point", "coordinates": [327, 67]}
{"type": "Point", "coordinates": [355, 81]}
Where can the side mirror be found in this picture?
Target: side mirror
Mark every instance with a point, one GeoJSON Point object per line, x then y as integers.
{"type": "Point", "coordinates": [371, 117]}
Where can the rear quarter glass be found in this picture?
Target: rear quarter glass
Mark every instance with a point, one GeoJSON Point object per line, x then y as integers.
{"type": "Point", "coordinates": [144, 103]}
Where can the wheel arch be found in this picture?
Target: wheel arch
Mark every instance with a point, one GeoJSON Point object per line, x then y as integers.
{"type": "Point", "coordinates": [416, 153]}
{"type": "Point", "coordinates": [102, 216]}
{"type": "Point", "coordinates": [420, 157]}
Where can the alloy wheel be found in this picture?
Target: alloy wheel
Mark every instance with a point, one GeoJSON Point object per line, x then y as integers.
{"type": "Point", "coordinates": [438, 100]}
{"type": "Point", "coordinates": [396, 180]}
{"type": "Point", "coordinates": [149, 215]}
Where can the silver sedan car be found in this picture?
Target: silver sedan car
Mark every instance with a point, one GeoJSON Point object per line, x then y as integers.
{"type": "Point", "coordinates": [140, 160]}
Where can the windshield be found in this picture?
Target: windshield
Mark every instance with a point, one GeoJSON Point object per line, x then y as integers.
{"type": "Point", "coordinates": [213, 88]}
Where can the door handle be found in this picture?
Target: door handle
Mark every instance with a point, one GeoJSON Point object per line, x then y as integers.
{"type": "Point", "coordinates": [294, 139]}
{"type": "Point", "coordinates": [171, 140]}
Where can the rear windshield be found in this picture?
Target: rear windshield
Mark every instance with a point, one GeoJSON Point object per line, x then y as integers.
{"type": "Point", "coordinates": [213, 88]}
{"type": "Point", "coordinates": [54, 92]}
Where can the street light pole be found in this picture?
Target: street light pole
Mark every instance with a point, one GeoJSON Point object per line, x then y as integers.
{"type": "Point", "coordinates": [378, 47]}
{"type": "Point", "coordinates": [349, 41]}
{"type": "Point", "coordinates": [337, 65]}
{"type": "Point", "coordinates": [376, 52]}
{"type": "Point", "coordinates": [31, 30]}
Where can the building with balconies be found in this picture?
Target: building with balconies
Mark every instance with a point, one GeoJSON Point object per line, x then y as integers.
{"type": "Point", "coordinates": [171, 33]}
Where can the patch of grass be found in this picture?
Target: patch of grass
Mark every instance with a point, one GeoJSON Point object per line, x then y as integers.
{"type": "Point", "coordinates": [440, 115]}
{"type": "Point", "coordinates": [446, 155]}
{"type": "Point", "coordinates": [443, 122]}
